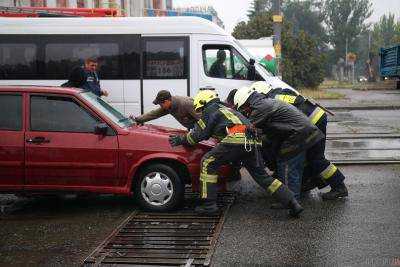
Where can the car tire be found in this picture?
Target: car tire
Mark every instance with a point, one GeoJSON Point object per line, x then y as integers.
{"type": "Point", "coordinates": [159, 188]}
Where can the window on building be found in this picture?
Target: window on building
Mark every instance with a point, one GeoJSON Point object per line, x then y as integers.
{"type": "Point", "coordinates": [80, 3]}
{"type": "Point", "coordinates": [38, 3]}
{"type": "Point", "coordinates": [60, 114]}
{"type": "Point", "coordinates": [10, 112]}
{"type": "Point", "coordinates": [165, 58]}
{"type": "Point", "coordinates": [62, 3]}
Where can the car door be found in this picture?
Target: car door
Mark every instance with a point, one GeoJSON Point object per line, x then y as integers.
{"type": "Point", "coordinates": [234, 64]}
{"type": "Point", "coordinates": [11, 141]}
{"type": "Point", "coordinates": [62, 151]}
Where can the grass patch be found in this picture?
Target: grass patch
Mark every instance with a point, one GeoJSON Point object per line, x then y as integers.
{"type": "Point", "coordinates": [321, 94]}
{"type": "Point", "coordinates": [329, 84]}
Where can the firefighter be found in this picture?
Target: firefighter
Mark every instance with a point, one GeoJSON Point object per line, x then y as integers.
{"type": "Point", "coordinates": [287, 129]}
{"type": "Point", "coordinates": [236, 142]}
{"type": "Point", "coordinates": [321, 171]}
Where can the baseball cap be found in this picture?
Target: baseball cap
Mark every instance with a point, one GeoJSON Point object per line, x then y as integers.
{"type": "Point", "coordinates": [161, 97]}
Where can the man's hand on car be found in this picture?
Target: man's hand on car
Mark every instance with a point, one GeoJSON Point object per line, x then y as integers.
{"type": "Point", "coordinates": [104, 92]}
{"type": "Point", "coordinates": [176, 140]}
{"type": "Point", "coordinates": [135, 119]}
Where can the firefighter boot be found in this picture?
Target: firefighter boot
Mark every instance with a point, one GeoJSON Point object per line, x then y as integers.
{"type": "Point", "coordinates": [208, 194]}
{"type": "Point", "coordinates": [336, 192]}
{"type": "Point", "coordinates": [286, 197]}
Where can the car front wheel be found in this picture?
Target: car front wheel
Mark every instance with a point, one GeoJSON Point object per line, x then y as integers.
{"type": "Point", "coordinates": [159, 188]}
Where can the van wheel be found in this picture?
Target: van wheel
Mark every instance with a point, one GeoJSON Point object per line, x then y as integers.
{"type": "Point", "coordinates": [159, 188]}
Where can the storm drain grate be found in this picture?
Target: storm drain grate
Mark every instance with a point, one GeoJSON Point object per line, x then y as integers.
{"type": "Point", "coordinates": [163, 239]}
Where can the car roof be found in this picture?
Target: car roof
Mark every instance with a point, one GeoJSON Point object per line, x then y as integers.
{"type": "Point", "coordinates": [40, 89]}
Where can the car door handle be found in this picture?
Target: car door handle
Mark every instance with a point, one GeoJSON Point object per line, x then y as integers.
{"type": "Point", "coordinates": [38, 140]}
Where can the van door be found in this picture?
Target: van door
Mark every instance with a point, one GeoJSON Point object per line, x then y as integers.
{"type": "Point", "coordinates": [11, 141]}
{"type": "Point", "coordinates": [165, 67]}
{"type": "Point", "coordinates": [222, 68]}
{"type": "Point", "coordinates": [62, 151]}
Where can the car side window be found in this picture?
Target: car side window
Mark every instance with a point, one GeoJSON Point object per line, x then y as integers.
{"type": "Point", "coordinates": [10, 112]}
{"type": "Point", "coordinates": [224, 62]}
{"type": "Point", "coordinates": [59, 114]}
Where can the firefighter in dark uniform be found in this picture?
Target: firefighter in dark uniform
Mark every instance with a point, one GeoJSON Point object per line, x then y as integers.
{"type": "Point", "coordinates": [320, 170]}
{"type": "Point", "coordinates": [289, 131]}
{"type": "Point", "coordinates": [236, 142]}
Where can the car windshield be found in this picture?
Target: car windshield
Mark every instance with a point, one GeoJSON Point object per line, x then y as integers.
{"type": "Point", "coordinates": [107, 110]}
{"type": "Point", "coordinates": [267, 73]}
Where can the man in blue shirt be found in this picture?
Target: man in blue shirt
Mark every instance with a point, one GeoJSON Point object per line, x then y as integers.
{"type": "Point", "coordinates": [92, 82]}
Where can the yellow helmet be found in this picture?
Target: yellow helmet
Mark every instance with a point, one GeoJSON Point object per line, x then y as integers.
{"type": "Point", "coordinates": [203, 97]}
{"type": "Point", "coordinates": [261, 87]}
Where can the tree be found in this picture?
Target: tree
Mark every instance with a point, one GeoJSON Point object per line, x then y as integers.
{"type": "Point", "coordinates": [303, 65]}
{"type": "Point", "coordinates": [345, 20]}
{"type": "Point", "coordinates": [302, 62]}
{"type": "Point", "coordinates": [306, 16]}
{"type": "Point", "coordinates": [258, 7]}
{"type": "Point", "coordinates": [386, 32]}
{"type": "Point", "coordinates": [257, 27]}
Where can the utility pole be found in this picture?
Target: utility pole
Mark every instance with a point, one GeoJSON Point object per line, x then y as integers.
{"type": "Point", "coordinates": [277, 19]}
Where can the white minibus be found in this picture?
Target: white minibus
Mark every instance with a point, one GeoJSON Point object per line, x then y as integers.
{"type": "Point", "coordinates": [137, 56]}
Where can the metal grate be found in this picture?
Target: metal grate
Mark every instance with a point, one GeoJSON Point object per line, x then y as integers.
{"type": "Point", "coordinates": [163, 239]}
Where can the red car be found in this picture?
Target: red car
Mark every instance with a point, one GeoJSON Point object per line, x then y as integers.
{"type": "Point", "coordinates": [56, 139]}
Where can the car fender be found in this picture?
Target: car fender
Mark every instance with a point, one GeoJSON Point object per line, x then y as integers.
{"type": "Point", "coordinates": [155, 156]}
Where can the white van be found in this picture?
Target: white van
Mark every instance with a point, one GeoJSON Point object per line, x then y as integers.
{"type": "Point", "coordinates": [137, 56]}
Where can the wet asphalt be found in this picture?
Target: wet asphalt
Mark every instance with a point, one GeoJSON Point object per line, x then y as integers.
{"type": "Point", "coordinates": [361, 230]}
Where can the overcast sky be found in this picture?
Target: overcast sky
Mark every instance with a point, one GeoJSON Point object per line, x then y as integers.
{"type": "Point", "coordinates": [234, 11]}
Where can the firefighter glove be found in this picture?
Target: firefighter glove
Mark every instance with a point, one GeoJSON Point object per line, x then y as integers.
{"type": "Point", "coordinates": [176, 140]}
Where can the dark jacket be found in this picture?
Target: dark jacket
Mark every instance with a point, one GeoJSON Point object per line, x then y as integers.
{"type": "Point", "coordinates": [215, 120]}
{"type": "Point", "coordinates": [76, 78]}
{"type": "Point", "coordinates": [311, 110]}
{"type": "Point", "coordinates": [92, 83]}
{"type": "Point", "coordinates": [182, 110]}
{"type": "Point", "coordinates": [217, 70]}
{"type": "Point", "coordinates": [289, 129]}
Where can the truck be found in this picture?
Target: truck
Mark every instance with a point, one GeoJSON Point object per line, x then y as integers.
{"type": "Point", "coordinates": [263, 51]}
{"type": "Point", "coordinates": [390, 63]}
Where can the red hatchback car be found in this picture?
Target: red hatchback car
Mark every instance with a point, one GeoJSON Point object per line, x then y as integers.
{"type": "Point", "coordinates": [56, 139]}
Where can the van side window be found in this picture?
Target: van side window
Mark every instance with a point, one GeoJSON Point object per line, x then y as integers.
{"type": "Point", "coordinates": [59, 114]}
{"type": "Point", "coordinates": [165, 58]}
{"type": "Point", "coordinates": [18, 60]}
{"type": "Point", "coordinates": [224, 62]}
{"type": "Point", "coordinates": [52, 57]}
{"type": "Point", "coordinates": [10, 112]}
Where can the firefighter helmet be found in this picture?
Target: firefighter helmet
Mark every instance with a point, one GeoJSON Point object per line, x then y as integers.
{"type": "Point", "coordinates": [242, 95]}
{"type": "Point", "coordinates": [203, 97]}
{"type": "Point", "coordinates": [261, 87]}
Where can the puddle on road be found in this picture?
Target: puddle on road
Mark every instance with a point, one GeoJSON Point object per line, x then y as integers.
{"type": "Point", "coordinates": [377, 144]}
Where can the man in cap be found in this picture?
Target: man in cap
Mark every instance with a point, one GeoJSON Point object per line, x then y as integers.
{"type": "Point", "coordinates": [180, 107]}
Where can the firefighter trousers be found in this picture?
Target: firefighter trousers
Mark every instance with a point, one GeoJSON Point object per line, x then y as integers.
{"type": "Point", "coordinates": [224, 153]}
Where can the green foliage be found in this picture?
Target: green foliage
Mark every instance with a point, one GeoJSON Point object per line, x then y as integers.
{"type": "Point", "coordinates": [303, 65]}
{"type": "Point", "coordinates": [345, 19]}
{"type": "Point", "coordinates": [258, 7]}
{"type": "Point", "coordinates": [257, 27]}
{"type": "Point", "coordinates": [306, 16]}
{"type": "Point", "coordinates": [386, 32]}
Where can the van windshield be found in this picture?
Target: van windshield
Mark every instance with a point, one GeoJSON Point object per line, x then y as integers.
{"type": "Point", "coordinates": [113, 114]}
{"type": "Point", "coordinates": [249, 55]}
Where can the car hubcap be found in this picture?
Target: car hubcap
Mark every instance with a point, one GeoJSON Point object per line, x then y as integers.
{"type": "Point", "coordinates": [157, 188]}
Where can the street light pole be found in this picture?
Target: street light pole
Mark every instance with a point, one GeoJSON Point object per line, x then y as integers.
{"type": "Point", "coordinates": [277, 27]}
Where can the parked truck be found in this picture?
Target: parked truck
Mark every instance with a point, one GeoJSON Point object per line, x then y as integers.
{"type": "Point", "coordinates": [390, 63]}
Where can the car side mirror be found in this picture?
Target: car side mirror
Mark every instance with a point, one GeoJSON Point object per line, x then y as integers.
{"type": "Point", "coordinates": [101, 129]}
{"type": "Point", "coordinates": [251, 72]}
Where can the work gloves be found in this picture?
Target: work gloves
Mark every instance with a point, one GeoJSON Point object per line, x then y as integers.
{"type": "Point", "coordinates": [136, 119]}
{"type": "Point", "coordinates": [177, 140]}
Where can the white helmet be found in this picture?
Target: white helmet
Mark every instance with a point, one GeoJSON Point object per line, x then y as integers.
{"type": "Point", "coordinates": [262, 87]}
{"type": "Point", "coordinates": [242, 95]}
